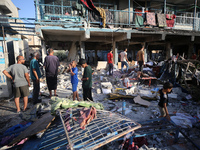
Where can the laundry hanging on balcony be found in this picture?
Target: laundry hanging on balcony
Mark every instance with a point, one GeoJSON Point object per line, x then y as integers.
{"type": "Point", "coordinates": [161, 20]}
{"type": "Point", "coordinates": [170, 20]}
{"type": "Point", "coordinates": [103, 15]}
{"type": "Point", "coordinates": [150, 16]}
{"type": "Point", "coordinates": [89, 4]}
{"type": "Point", "coordinates": [139, 21]}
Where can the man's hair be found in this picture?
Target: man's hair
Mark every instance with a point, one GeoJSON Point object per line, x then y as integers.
{"type": "Point", "coordinates": [18, 57]}
{"type": "Point", "coordinates": [35, 54]}
{"type": "Point", "coordinates": [82, 61]}
{"type": "Point", "coordinates": [141, 46]}
{"type": "Point", "coordinates": [125, 48]}
{"type": "Point", "coordinates": [167, 85]}
{"type": "Point", "coordinates": [50, 50]}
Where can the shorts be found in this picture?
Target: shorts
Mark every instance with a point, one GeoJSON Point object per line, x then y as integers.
{"type": "Point", "coordinates": [140, 65]}
{"type": "Point", "coordinates": [22, 91]}
{"type": "Point", "coordinates": [74, 87]}
{"type": "Point", "coordinates": [162, 111]}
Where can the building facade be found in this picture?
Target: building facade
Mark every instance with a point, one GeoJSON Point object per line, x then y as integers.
{"type": "Point", "coordinates": [90, 26]}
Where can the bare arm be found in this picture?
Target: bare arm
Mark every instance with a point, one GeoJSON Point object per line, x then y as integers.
{"type": "Point", "coordinates": [167, 113]}
{"type": "Point", "coordinates": [126, 57]}
{"type": "Point", "coordinates": [27, 79]}
{"type": "Point", "coordinates": [7, 74]}
{"type": "Point", "coordinates": [36, 76]}
{"type": "Point", "coordinates": [85, 79]}
{"type": "Point", "coordinates": [112, 60]}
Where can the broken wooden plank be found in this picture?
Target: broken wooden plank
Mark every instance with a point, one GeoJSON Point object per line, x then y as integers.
{"type": "Point", "coordinates": [140, 101]}
{"type": "Point", "coordinates": [38, 126]}
{"type": "Point", "coordinates": [118, 96]}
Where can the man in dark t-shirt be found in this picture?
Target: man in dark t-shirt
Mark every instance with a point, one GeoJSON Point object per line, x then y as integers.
{"type": "Point", "coordinates": [51, 64]}
{"type": "Point", "coordinates": [87, 80]}
{"type": "Point", "coordinates": [162, 105]}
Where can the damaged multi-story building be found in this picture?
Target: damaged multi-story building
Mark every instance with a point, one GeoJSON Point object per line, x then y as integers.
{"type": "Point", "coordinates": [90, 28]}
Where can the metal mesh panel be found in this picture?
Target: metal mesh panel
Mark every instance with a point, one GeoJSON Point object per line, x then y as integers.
{"type": "Point", "coordinates": [105, 128]}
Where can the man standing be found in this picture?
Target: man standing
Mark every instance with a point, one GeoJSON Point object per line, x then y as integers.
{"type": "Point", "coordinates": [35, 76]}
{"type": "Point", "coordinates": [110, 62]}
{"type": "Point", "coordinates": [74, 79]}
{"type": "Point", "coordinates": [18, 73]}
{"type": "Point", "coordinates": [87, 80]}
{"type": "Point", "coordinates": [51, 64]}
{"type": "Point", "coordinates": [140, 58]}
{"type": "Point", "coordinates": [124, 60]}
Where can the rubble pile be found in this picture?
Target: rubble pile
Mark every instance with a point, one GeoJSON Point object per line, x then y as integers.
{"type": "Point", "coordinates": [140, 96]}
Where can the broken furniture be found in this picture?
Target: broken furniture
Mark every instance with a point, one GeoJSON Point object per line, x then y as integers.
{"type": "Point", "coordinates": [106, 128]}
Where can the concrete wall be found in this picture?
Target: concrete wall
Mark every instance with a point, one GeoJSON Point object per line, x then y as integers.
{"type": "Point", "coordinates": [8, 8]}
{"type": "Point", "coordinates": [5, 85]}
{"type": "Point", "coordinates": [34, 41]}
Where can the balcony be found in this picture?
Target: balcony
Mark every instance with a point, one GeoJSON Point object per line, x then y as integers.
{"type": "Point", "coordinates": [62, 15]}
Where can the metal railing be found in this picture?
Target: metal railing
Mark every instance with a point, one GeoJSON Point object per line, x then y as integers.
{"type": "Point", "coordinates": [117, 18]}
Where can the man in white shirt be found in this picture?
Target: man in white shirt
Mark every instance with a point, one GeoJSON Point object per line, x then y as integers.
{"type": "Point", "coordinates": [124, 60]}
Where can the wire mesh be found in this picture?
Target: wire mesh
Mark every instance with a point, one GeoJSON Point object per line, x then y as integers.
{"type": "Point", "coordinates": [106, 127]}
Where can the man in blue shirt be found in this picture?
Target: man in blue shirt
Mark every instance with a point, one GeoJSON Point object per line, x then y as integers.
{"type": "Point", "coordinates": [35, 76]}
{"type": "Point", "coordinates": [74, 79]}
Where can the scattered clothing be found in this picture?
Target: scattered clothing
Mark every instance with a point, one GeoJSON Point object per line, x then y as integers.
{"type": "Point", "coordinates": [87, 115]}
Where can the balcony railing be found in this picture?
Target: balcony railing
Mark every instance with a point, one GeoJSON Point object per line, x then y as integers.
{"type": "Point", "coordinates": [57, 14]}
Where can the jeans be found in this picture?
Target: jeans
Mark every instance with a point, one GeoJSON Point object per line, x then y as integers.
{"type": "Point", "coordinates": [122, 66]}
{"type": "Point", "coordinates": [110, 66]}
{"type": "Point", "coordinates": [36, 90]}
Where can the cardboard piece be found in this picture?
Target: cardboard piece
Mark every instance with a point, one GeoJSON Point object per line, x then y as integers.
{"type": "Point", "coordinates": [101, 65]}
{"type": "Point", "coordinates": [140, 101]}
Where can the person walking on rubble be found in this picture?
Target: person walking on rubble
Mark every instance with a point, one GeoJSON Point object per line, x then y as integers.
{"type": "Point", "coordinates": [74, 78]}
{"type": "Point", "coordinates": [110, 62]}
{"type": "Point", "coordinates": [87, 80]}
{"type": "Point", "coordinates": [18, 73]}
{"type": "Point", "coordinates": [140, 60]}
{"type": "Point", "coordinates": [51, 64]}
{"type": "Point", "coordinates": [162, 105]}
{"type": "Point", "coordinates": [35, 76]}
{"type": "Point", "coordinates": [124, 60]}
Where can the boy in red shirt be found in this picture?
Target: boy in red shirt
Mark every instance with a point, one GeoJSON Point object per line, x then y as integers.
{"type": "Point", "coordinates": [110, 62]}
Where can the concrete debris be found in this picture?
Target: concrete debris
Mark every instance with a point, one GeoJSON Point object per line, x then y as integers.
{"type": "Point", "coordinates": [109, 92]}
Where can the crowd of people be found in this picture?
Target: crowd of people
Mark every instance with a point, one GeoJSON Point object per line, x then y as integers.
{"type": "Point", "coordinates": [19, 75]}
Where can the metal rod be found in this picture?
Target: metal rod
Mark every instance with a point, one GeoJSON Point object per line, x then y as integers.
{"type": "Point", "coordinates": [165, 2]}
{"type": "Point", "coordinates": [129, 13]}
